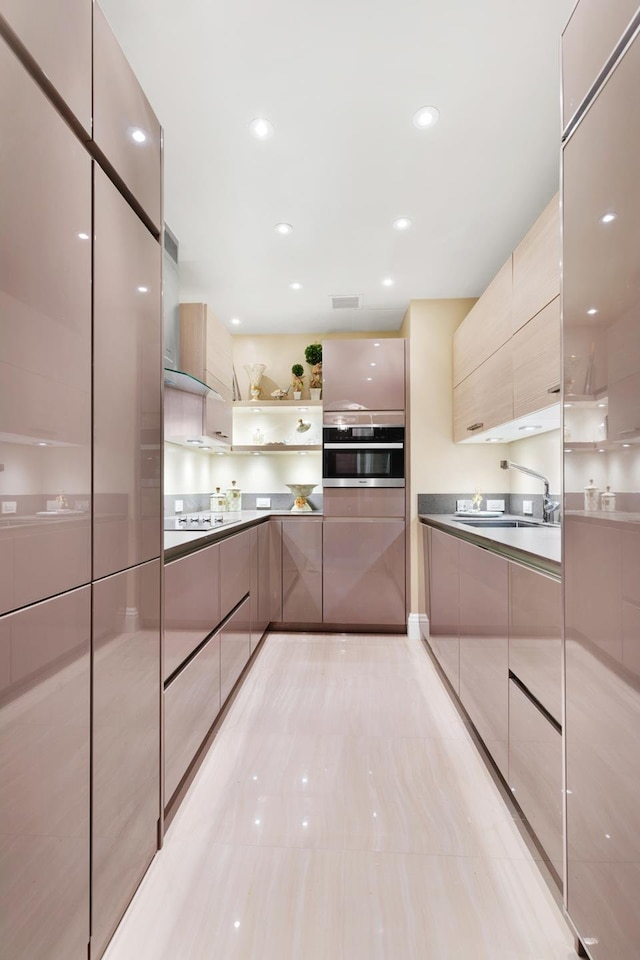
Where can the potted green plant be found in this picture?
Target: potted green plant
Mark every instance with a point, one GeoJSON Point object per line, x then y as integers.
{"type": "Point", "coordinates": [313, 356]}
{"type": "Point", "coordinates": [297, 382]}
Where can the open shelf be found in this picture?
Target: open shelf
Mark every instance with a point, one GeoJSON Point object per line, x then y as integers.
{"type": "Point", "coordinates": [246, 406]}
{"type": "Point", "coordinates": [276, 448]}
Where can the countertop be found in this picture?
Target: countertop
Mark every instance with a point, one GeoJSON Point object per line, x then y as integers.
{"type": "Point", "coordinates": [537, 547]}
{"type": "Point", "coordinates": [177, 543]}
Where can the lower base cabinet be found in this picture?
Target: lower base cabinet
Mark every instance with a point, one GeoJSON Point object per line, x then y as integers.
{"type": "Point", "coordinates": [444, 592]}
{"type": "Point", "coordinates": [302, 570]}
{"type": "Point", "coordinates": [235, 648]}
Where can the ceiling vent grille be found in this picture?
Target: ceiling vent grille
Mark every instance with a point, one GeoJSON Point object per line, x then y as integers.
{"type": "Point", "coordinates": [345, 303]}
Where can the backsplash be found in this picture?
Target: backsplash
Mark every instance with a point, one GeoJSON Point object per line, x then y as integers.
{"type": "Point", "coordinates": [196, 502]}
{"type": "Point", "coordinates": [446, 502]}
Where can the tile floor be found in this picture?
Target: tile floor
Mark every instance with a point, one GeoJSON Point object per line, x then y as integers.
{"type": "Point", "coordinates": [343, 812]}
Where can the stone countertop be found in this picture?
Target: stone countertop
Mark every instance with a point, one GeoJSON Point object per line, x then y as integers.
{"type": "Point", "coordinates": [177, 543]}
{"type": "Point", "coordinates": [537, 547]}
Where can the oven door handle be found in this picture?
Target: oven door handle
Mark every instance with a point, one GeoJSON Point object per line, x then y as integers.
{"type": "Point", "coordinates": [363, 446]}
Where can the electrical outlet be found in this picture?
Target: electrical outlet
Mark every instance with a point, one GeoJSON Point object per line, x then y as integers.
{"type": "Point", "coordinates": [178, 506]}
{"type": "Point", "coordinates": [9, 506]}
{"type": "Point", "coordinates": [527, 508]}
{"type": "Point", "coordinates": [263, 503]}
{"type": "Point", "coordinates": [495, 505]}
{"type": "Point", "coordinates": [464, 504]}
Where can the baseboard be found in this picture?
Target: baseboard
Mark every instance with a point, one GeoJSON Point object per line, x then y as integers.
{"type": "Point", "coordinates": [417, 626]}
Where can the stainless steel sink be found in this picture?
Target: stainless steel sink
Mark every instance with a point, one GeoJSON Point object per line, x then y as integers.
{"type": "Point", "coordinates": [499, 523]}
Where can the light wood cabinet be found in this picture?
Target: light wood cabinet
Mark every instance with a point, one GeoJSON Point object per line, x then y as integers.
{"type": "Point", "coordinates": [205, 348]}
{"type": "Point", "coordinates": [485, 398]}
{"type": "Point", "coordinates": [536, 361]}
{"type": "Point", "coordinates": [536, 267]}
{"type": "Point", "coordinates": [485, 328]}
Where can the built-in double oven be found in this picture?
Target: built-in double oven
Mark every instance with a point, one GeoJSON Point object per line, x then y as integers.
{"type": "Point", "coordinates": [363, 450]}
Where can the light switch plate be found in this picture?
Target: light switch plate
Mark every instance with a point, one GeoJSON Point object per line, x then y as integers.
{"type": "Point", "coordinates": [527, 508]}
{"type": "Point", "coordinates": [263, 503]}
{"type": "Point", "coordinates": [178, 506]}
{"type": "Point", "coordinates": [495, 505]}
{"type": "Point", "coordinates": [464, 504]}
{"type": "Point", "coordinates": [9, 506]}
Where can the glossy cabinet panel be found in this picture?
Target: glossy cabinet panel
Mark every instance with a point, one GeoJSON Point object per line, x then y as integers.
{"type": "Point", "coordinates": [191, 704]}
{"type": "Point", "coordinates": [484, 647]}
{"type": "Point", "coordinates": [302, 570]}
{"type": "Point", "coordinates": [589, 38]}
{"type": "Point", "coordinates": [535, 635]}
{"type": "Point", "coordinates": [364, 571]}
{"type": "Point", "coordinates": [58, 37]}
{"type": "Point", "coordinates": [191, 604]}
{"type": "Point", "coordinates": [535, 772]}
{"type": "Point", "coordinates": [424, 584]}
{"type": "Point", "coordinates": [349, 502]}
{"type": "Point", "coordinates": [275, 570]}
{"type": "Point", "coordinates": [126, 740]}
{"type": "Point", "coordinates": [444, 578]}
{"type": "Point", "coordinates": [125, 127]}
{"type": "Point", "coordinates": [127, 385]}
{"type": "Point", "coordinates": [536, 362]}
{"type": "Point", "coordinates": [235, 648]}
{"type": "Point", "coordinates": [45, 348]}
{"type": "Point", "coordinates": [44, 779]}
{"type": "Point", "coordinates": [363, 374]}
{"type": "Point", "coordinates": [486, 327]}
{"type": "Point", "coordinates": [536, 266]}
{"type": "Point", "coordinates": [235, 570]}
{"type": "Point", "coordinates": [260, 582]}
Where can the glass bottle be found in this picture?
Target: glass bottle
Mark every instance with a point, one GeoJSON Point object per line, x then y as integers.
{"type": "Point", "coordinates": [234, 498]}
{"type": "Point", "coordinates": [591, 497]}
{"type": "Point", "coordinates": [608, 501]}
{"type": "Point", "coordinates": [218, 502]}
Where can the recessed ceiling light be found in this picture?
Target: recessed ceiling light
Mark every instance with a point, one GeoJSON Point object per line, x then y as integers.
{"type": "Point", "coordinates": [493, 440]}
{"type": "Point", "coordinates": [206, 448]}
{"type": "Point", "coordinates": [376, 344]}
{"type": "Point", "coordinates": [198, 442]}
{"type": "Point", "coordinates": [372, 364]}
{"type": "Point", "coordinates": [284, 229]}
{"type": "Point", "coordinates": [83, 236]}
{"type": "Point", "coordinates": [426, 117]}
{"type": "Point", "coordinates": [388, 282]}
{"type": "Point", "coordinates": [402, 223]}
{"type": "Point", "coordinates": [143, 289]}
{"type": "Point", "coordinates": [369, 378]}
{"type": "Point", "coordinates": [527, 427]}
{"type": "Point", "coordinates": [602, 404]}
{"type": "Point", "coordinates": [608, 218]}
{"type": "Point", "coordinates": [592, 311]}
{"type": "Point", "coordinates": [602, 450]}
{"type": "Point", "coordinates": [261, 128]}
{"type": "Point", "coordinates": [568, 404]}
{"type": "Point", "coordinates": [138, 135]}
{"type": "Point", "coordinates": [41, 443]}
{"type": "Point", "coordinates": [626, 444]}
{"type": "Point", "coordinates": [295, 285]}
{"type": "Point", "coordinates": [235, 321]}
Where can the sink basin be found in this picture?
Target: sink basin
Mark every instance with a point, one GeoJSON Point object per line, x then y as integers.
{"type": "Point", "coordinates": [499, 523]}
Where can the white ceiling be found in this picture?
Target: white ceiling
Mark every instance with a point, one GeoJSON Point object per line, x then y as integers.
{"type": "Point", "coordinates": [340, 81]}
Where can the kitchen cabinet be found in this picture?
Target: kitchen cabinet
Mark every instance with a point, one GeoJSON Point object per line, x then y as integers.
{"type": "Point", "coordinates": [260, 582]}
{"type": "Point", "coordinates": [536, 361]}
{"type": "Point", "coordinates": [125, 129]}
{"type": "Point", "coordinates": [536, 267]}
{"type": "Point", "coordinates": [235, 647]}
{"type": "Point", "coordinates": [45, 350]}
{"type": "Point", "coordinates": [44, 788]}
{"type": "Point", "coordinates": [535, 771]}
{"type": "Point", "coordinates": [302, 570]}
{"type": "Point", "coordinates": [484, 646]}
{"type": "Point", "coordinates": [444, 590]}
{"type": "Point", "coordinates": [58, 37]}
{"type": "Point", "coordinates": [485, 398]}
{"type": "Point", "coordinates": [191, 705]}
{"type": "Point", "coordinates": [127, 350]}
{"type": "Point", "coordinates": [191, 604]}
{"type": "Point", "coordinates": [235, 570]}
{"type": "Point", "coordinates": [363, 580]}
{"type": "Point", "coordinates": [275, 571]}
{"type": "Point", "coordinates": [424, 583]}
{"type": "Point", "coordinates": [205, 353]}
{"type": "Point", "coordinates": [592, 34]}
{"type": "Point", "coordinates": [365, 502]}
{"type": "Point", "coordinates": [363, 374]}
{"type": "Point", "coordinates": [486, 327]}
{"type": "Point", "coordinates": [126, 741]}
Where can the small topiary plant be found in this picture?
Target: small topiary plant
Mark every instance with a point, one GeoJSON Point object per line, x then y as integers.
{"type": "Point", "coordinates": [297, 373]}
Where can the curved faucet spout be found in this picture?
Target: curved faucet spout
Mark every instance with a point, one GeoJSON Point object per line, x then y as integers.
{"type": "Point", "coordinates": [549, 506]}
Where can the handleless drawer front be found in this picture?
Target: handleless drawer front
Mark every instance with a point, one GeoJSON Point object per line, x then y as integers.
{"type": "Point", "coordinates": [235, 648]}
{"type": "Point", "coordinates": [125, 127]}
{"type": "Point", "coordinates": [191, 704]}
{"type": "Point", "coordinates": [535, 771]}
{"type": "Point", "coordinates": [275, 570]}
{"type": "Point", "coordinates": [444, 578]}
{"type": "Point", "coordinates": [302, 570]}
{"type": "Point", "coordinates": [235, 570]}
{"type": "Point", "coordinates": [191, 604]}
{"type": "Point", "coordinates": [350, 502]}
{"type": "Point", "coordinates": [364, 374]}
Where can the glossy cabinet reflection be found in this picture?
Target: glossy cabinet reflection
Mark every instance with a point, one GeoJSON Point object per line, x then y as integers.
{"type": "Point", "coordinates": [235, 647]}
{"type": "Point", "coordinates": [44, 785]}
{"type": "Point", "coordinates": [125, 127]}
{"type": "Point", "coordinates": [58, 37]}
{"type": "Point", "coordinates": [484, 648]}
{"type": "Point", "coordinates": [45, 348]}
{"type": "Point", "coordinates": [191, 604]}
{"type": "Point", "coordinates": [260, 582]}
{"type": "Point", "coordinates": [275, 571]}
{"type": "Point", "coordinates": [363, 374]}
{"type": "Point", "coordinates": [235, 570]}
{"type": "Point", "coordinates": [444, 575]}
{"type": "Point", "coordinates": [126, 740]}
{"type": "Point", "coordinates": [127, 385]}
{"type": "Point", "coordinates": [302, 570]}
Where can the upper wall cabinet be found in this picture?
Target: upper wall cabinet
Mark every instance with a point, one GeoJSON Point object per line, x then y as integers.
{"type": "Point", "coordinates": [536, 267]}
{"type": "Point", "coordinates": [536, 361]}
{"type": "Point", "coordinates": [363, 374]}
{"type": "Point", "coordinates": [594, 30]}
{"type": "Point", "coordinates": [45, 345]}
{"type": "Point", "coordinates": [485, 398]}
{"type": "Point", "coordinates": [485, 328]}
{"type": "Point", "coordinates": [57, 34]}
{"type": "Point", "coordinates": [205, 348]}
{"type": "Point", "coordinates": [125, 127]}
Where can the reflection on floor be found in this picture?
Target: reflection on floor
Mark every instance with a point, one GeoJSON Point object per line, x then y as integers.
{"type": "Point", "coordinates": [343, 813]}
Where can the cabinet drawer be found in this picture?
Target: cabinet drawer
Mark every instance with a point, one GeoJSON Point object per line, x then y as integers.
{"type": "Point", "coordinates": [535, 771]}
{"type": "Point", "coordinates": [235, 570]}
{"type": "Point", "coordinates": [191, 704]}
{"type": "Point", "coordinates": [485, 398]}
{"type": "Point", "coordinates": [486, 327]}
{"type": "Point", "coordinates": [302, 571]}
{"type": "Point", "coordinates": [536, 266]}
{"type": "Point", "coordinates": [445, 599]}
{"type": "Point", "coordinates": [349, 502]}
{"type": "Point", "coordinates": [536, 361]}
{"type": "Point", "coordinates": [191, 604]}
{"type": "Point", "coordinates": [535, 631]}
{"type": "Point", "coordinates": [235, 648]}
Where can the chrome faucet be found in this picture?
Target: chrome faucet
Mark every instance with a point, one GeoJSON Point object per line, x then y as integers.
{"type": "Point", "coordinates": [549, 506]}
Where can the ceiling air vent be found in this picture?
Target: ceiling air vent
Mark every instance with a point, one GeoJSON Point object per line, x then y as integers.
{"type": "Point", "coordinates": [345, 303]}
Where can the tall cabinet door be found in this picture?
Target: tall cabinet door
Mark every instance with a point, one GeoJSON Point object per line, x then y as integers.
{"type": "Point", "coordinates": [127, 385]}
{"type": "Point", "coordinates": [45, 346]}
{"type": "Point", "coordinates": [601, 309]}
{"type": "Point", "coordinates": [302, 570]}
{"type": "Point", "coordinates": [363, 374]}
{"type": "Point", "coordinates": [445, 604]}
{"type": "Point", "coordinates": [44, 779]}
{"type": "Point", "coordinates": [126, 741]}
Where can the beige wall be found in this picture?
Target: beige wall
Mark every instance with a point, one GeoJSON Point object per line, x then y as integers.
{"type": "Point", "coordinates": [542, 453]}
